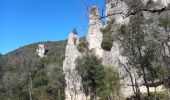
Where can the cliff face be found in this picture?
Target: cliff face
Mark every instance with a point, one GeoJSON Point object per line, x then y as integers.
{"type": "Point", "coordinates": [113, 57]}
{"type": "Point", "coordinates": [119, 9]}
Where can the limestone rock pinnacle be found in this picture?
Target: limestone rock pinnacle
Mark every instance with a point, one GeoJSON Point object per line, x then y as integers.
{"type": "Point", "coordinates": [41, 50]}
{"type": "Point", "coordinates": [74, 89]}
{"type": "Point", "coordinates": [95, 36]}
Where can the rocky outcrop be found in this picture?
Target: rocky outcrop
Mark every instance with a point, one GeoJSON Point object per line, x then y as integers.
{"type": "Point", "coordinates": [94, 35]}
{"type": "Point", "coordinates": [119, 9]}
{"type": "Point", "coordinates": [41, 50]}
{"type": "Point", "coordinates": [74, 89]}
{"type": "Point", "coordinates": [114, 59]}
{"type": "Point", "coordinates": [163, 2]}
{"type": "Point", "coordinates": [111, 58]}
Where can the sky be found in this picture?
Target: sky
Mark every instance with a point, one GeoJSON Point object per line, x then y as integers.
{"type": "Point", "coordinates": [23, 22]}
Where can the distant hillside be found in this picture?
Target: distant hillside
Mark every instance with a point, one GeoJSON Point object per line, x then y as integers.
{"type": "Point", "coordinates": [22, 68]}
{"type": "Point", "coordinates": [28, 52]}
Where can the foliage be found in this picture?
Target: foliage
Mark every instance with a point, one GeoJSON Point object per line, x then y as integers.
{"type": "Point", "coordinates": [161, 73]}
{"type": "Point", "coordinates": [56, 84]}
{"type": "Point", "coordinates": [164, 21]}
{"type": "Point", "coordinates": [97, 80]}
{"type": "Point", "coordinates": [74, 31]}
{"type": "Point", "coordinates": [111, 85]}
{"type": "Point", "coordinates": [158, 96]}
{"type": "Point", "coordinates": [139, 47]}
{"type": "Point", "coordinates": [107, 38]}
{"type": "Point", "coordinates": [82, 46]}
{"type": "Point", "coordinates": [46, 73]}
{"type": "Point", "coordinates": [91, 71]}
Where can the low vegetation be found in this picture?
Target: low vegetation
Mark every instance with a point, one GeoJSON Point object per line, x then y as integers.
{"type": "Point", "coordinates": [25, 76]}
{"type": "Point", "coordinates": [98, 80]}
{"type": "Point", "coordinates": [107, 38]}
{"type": "Point", "coordinates": [82, 46]}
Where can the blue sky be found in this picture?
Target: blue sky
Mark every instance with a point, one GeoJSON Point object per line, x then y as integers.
{"type": "Point", "coordinates": [23, 22]}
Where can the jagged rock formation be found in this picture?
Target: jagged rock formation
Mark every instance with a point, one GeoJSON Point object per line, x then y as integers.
{"type": "Point", "coordinates": [119, 9]}
{"type": "Point", "coordinates": [74, 89]}
{"type": "Point", "coordinates": [95, 36]}
{"type": "Point", "coordinates": [111, 58]}
{"type": "Point", "coordinates": [41, 50]}
{"type": "Point", "coordinates": [114, 58]}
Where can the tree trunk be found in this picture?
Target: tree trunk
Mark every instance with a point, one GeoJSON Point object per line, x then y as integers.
{"type": "Point", "coordinates": [30, 89]}
{"type": "Point", "coordinates": [146, 83]}
{"type": "Point", "coordinates": [135, 87]}
{"type": "Point", "coordinates": [155, 93]}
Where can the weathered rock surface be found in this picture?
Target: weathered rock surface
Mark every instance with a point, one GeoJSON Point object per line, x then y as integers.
{"type": "Point", "coordinates": [95, 36]}
{"type": "Point", "coordinates": [74, 89]}
{"type": "Point", "coordinates": [119, 9]}
{"type": "Point", "coordinates": [111, 58]}
{"type": "Point", "coordinates": [41, 50]}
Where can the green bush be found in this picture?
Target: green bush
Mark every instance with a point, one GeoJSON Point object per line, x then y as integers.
{"type": "Point", "coordinates": [161, 73]}
{"type": "Point", "coordinates": [107, 42]}
{"type": "Point", "coordinates": [163, 95]}
{"type": "Point", "coordinates": [97, 80]}
{"type": "Point", "coordinates": [111, 86]}
{"type": "Point", "coordinates": [92, 72]}
{"type": "Point", "coordinates": [107, 38]}
{"type": "Point", "coordinates": [82, 46]}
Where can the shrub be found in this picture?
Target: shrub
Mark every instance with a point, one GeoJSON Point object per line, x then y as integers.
{"type": "Point", "coordinates": [161, 73]}
{"type": "Point", "coordinates": [107, 38]}
{"type": "Point", "coordinates": [111, 86]}
{"type": "Point", "coordinates": [97, 79]}
{"type": "Point", "coordinates": [92, 72]}
{"type": "Point", "coordinates": [107, 42]}
{"type": "Point", "coordinates": [82, 46]}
